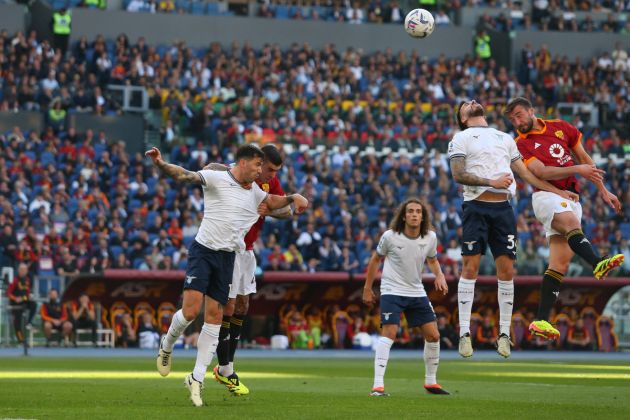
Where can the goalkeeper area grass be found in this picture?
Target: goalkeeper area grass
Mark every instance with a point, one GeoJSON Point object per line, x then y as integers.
{"type": "Point", "coordinates": [314, 388]}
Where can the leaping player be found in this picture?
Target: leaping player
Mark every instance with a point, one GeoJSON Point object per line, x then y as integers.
{"type": "Point", "coordinates": [550, 149]}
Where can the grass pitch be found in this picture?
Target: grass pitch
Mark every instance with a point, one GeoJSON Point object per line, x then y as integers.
{"type": "Point", "coordinates": [318, 388]}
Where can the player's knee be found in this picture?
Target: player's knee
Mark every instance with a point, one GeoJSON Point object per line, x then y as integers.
{"type": "Point", "coordinates": [432, 338]}
{"type": "Point", "coordinates": [190, 313]}
{"type": "Point", "coordinates": [48, 325]}
{"type": "Point", "coordinates": [228, 309]}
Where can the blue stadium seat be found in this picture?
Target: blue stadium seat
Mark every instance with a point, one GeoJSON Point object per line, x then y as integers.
{"type": "Point", "coordinates": [282, 12]}
{"type": "Point", "coordinates": [197, 8]}
{"type": "Point", "coordinates": [625, 230]}
{"type": "Point", "coordinates": [213, 9]}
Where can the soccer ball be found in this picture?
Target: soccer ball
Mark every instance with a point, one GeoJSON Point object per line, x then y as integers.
{"type": "Point", "coordinates": [419, 23]}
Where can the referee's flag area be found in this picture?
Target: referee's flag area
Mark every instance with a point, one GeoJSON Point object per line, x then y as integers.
{"type": "Point", "coordinates": [302, 386]}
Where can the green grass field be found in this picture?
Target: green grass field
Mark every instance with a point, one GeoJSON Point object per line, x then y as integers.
{"type": "Point", "coordinates": [129, 388]}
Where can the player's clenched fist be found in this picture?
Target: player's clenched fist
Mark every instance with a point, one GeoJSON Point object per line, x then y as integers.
{"type": "Point", "coordinates": [502, 182]}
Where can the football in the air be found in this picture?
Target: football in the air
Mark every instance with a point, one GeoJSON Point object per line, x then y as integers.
{"type": "Point", "coordinates": [419, 23]}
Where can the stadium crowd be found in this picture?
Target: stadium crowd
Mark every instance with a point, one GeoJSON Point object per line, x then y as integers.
{"type": "Point", "coordinates": [81, 192]}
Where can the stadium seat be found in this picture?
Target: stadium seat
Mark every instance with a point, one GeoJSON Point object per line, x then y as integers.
{"type": "Point", "coordinates": [282, 12]}
{"type": "Point", "coordinates": [116, 312]}
{"type": "Point", "coordinates": [165, 313]}
{"type": "Point", "coordinates": [213, 9]}
{"type": "Point", "coordinates": [606, 338]}
{"type": "Point", "coordinates": [142, 308]}
{"type": "Point", "coordinates": [197, 8]}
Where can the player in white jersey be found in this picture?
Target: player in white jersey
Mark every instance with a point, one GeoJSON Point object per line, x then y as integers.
{"type": "Point", "coordinates": [231, 201]}
{"type": "Point", "coordinates": [483, 159]}
{"type": "Point", "coordinates": [405, 247]}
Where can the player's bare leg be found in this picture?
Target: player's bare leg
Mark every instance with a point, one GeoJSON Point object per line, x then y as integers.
{"type": "Point", "coordinates": [568, 224]}
{"type": "Point", "coordinates": [191, 306]}
{"type": "Point", "coordinates": [465, 298]}
{"type": "Point", "coordinates": [505, 297]}
{"type": "Point", "coordinates": [432, 358]}
{"type": "Point", "coordinates": [381, 357]}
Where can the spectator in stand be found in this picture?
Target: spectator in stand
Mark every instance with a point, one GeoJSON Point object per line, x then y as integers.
{"type": "Point", "coordinates": [486, 334]}
{"type": "Point", "coordinates": [148, 335]}
{"type": "Point", "coordinates": [83, 315]}
{"type": "Point", "coordinates": [55, 318]}
{"type": "Point", "coordinates": [21, 299]}
{"type": "Point", "coordinates": [125, 332]}
{"type": "Point", "coordinates": [578, 337]}
{"type": "Point", "coordinates": [448, 337]}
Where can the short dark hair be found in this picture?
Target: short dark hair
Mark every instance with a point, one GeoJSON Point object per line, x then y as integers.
{"type": "Point", "coordinates": [458, 117]}
{"type": "Point", "coordinates": [518, 101]}
{"type": "Point", "coordinates": [398, 222]}
{"type": "Point", "coordinates": [248, 152]}
{"type": "Point", "coordinates": [272, 154]}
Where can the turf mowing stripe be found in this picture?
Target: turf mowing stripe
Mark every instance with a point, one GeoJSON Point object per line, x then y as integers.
{"type": "Point", "coordinates": [553, 375]}
{"type": "Point", "coordinates": [131, 375]}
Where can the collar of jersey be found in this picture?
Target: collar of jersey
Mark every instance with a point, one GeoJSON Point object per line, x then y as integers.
{"type": "Point", "coordinates": [542, 130]}
{"type": "Point", "coordinates": [237, 181]}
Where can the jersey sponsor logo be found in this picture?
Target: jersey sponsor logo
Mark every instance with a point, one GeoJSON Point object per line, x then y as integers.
{"type": "Point", "coordinates": [556, 150]}
{"type": "Point", "coordinates": [536, 145]}
{"type": "Point", "coordinates": [476, 137]}
{"type": "Point", "coordinates": [386, 315]}
{"type": "Point", "coordinates": [559, 134]}
{"type": "Point", "coordinates": [470, 244]}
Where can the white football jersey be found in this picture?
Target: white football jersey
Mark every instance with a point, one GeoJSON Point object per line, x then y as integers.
{"type": "Point", "coordinates": [404, 262]}
{"type": "Point", "coordinates": [229, 211]}
{"type": "Point", "coordinates": [489, 153]}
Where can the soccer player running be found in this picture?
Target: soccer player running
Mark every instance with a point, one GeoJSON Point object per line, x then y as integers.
{"type": "Point", "coordinates": [405, 247]}
{"type": "Point", "coordinates": [551, 149]}
{"type": "Point", "coordinates": [244, 277]}
{"type": "Point", "coordinates": [483, 159]}
{"type": "Point", "coordinates": [231, 201]}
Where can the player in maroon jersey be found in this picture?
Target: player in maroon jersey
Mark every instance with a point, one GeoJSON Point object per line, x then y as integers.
{"type": "Point", "coordinates": [550, 149]}
{"type": "Point", "coordinates": [244, 277]}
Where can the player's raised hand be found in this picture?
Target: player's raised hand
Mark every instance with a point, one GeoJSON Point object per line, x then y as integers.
{"type": "Point", "coordinates": [502, 182]}
{"type": "Point", "coordinates": [300, 203]}
{"type": "Point", "coordinates": [440, 284]}
{"type": "Point", "coordinates": [612, 200]}
{"type": "Point", "coordinates": [369, 297]}
{"type": "Point", "coordinates": [154, 154]}
{"type": "Point", "coordinates": [591, 172]}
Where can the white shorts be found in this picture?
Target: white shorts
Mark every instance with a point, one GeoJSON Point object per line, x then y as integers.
{"type": "Point", "coordinates": [546, 204]}
{"type": "Point", "coordinates": [244, 276]}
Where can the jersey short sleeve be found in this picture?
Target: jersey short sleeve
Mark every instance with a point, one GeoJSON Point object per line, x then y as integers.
{"type": "Point", "coordinates": [432, 252]}
{"type": "Point", "coordinates": [456, 148]}
{"type": "Point", "coordinates": [574, 136]}
{"type": "Point", "coordinates": [209, 177]}
{"type": "Point", "coordinates": [260, 194]}
{"type": "Point", "coordinates": [383, 244]}
{"type": "Point", "coordinates": [515, 154]}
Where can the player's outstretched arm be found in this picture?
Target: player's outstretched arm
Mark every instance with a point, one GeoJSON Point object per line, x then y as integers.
{"type": "Point", "coordinates": [610, 198]}
{"type": "Point", "coordinates": [526, 175]}
{"type": "Point", "coordinates": [368, 294]}
{"type": "Point", "coordinates": [178, 173]}
{"type": "Point", "coordinates": [547, 173]}
{"type": "Point", "coordinates": [275, 202]}
{"type": "Point", "coordinates": [440, 280]}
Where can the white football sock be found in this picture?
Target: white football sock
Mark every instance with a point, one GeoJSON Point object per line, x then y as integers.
{"type": "Point", "coordinates": [431, 362]}
{"type": "Point", "coordinates": [226, 370]}
{"type": "Point", "coordinates": [465, 297]}
{"type": "Point", "coordinates": [178, 325]}
{"type": "Point", "coordinates": [506, 305]}
{"type": "Point", "coordinates": [206, 347]}
{"type": "Point", "coordinates": [380, 360]}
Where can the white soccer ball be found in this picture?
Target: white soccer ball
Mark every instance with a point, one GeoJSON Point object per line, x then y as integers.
{"type": "Point", "coordinates": [419, 23]}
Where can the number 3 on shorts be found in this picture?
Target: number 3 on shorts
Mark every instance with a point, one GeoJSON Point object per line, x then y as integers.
{"type": "Point", "coordinates": [511, 242]}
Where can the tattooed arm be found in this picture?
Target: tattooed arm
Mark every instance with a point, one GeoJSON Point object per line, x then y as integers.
{"type": "Point", "coordinates": [458, 169]}
{"type": "Point", "coordinates": [178, 173]}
